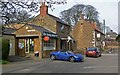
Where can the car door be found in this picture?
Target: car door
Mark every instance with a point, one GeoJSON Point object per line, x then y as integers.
{"type": "Point", "coordinates": [63, 56]}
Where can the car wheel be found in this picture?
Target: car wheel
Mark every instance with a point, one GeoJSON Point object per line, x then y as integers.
{"type": "Point", "coordinates": [53, 57]}
{"type": "Point", "coordinates": [72, 59]}
{"type": "Point", "coordinates": [97, 56]}
{"type": "Point", "coordinates": [100, 55]}
{"type": "Point", "coordinates": [86, 55]}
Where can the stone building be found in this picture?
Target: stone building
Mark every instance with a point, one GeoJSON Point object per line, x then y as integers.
{"type": "Point", "coordinates": [30, 36]}
{"type": "Point", "coordinates": [87, 34]}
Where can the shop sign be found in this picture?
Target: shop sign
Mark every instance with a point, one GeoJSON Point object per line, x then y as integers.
{"type": "Point", "coordinates": [49, 35]}
{"type": "Point", "coordinates": [46, 38]}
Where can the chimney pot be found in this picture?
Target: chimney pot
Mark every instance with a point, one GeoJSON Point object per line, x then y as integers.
{"type": "Point", "coordinates": [43, 9]}
{"type": "Point", "coordinates": [81, 16]}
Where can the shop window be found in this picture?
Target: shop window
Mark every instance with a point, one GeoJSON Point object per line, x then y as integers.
{"type": "Point", "coordinates": [49, 45]}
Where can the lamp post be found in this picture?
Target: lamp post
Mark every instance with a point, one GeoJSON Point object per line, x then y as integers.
{"type": "Point", "coordinates": [68, 40]}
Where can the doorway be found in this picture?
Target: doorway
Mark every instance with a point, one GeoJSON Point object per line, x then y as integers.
{"type": "Point", "coordinates": [29, 45]}
{"type": "Point", "coordinates": [63, 44]}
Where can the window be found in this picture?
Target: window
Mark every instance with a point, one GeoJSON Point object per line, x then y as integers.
{"type": "Point", "coordinates": [62, 28]}
{"type": "Point", "coordinates": [49, 45]}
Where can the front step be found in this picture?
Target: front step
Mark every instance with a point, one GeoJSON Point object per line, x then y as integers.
{"type": "Point", "coordinates": [32, 56]}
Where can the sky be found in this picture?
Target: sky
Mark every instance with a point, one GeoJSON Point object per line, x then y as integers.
{"type": "Point", "coordinates": [108, 10]}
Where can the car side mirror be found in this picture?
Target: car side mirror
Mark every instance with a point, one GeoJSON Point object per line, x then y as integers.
{"type": "Point", "coordinates": [66, 53]}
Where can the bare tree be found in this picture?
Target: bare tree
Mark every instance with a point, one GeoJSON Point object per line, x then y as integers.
{"type": "Point", "coordinates": [16, 10]}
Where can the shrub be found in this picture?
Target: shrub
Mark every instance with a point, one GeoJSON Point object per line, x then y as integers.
{"type": "Point", "coordinates": [3, 62]}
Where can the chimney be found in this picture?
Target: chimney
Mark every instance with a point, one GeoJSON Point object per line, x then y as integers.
{"type": "Point", "coordinates": [94, 24]}
{"type": "Point", "coordinates": [81, 15]}
{"type": "Point", "coordinates": [43, 9]}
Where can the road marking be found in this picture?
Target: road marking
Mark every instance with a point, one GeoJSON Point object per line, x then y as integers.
{"type": "Point", "coordinates": [109, 54]}
{"type": "Point", "coordinates": [27, 69]}
{"type": "Point", "coordinates": [89, 67]}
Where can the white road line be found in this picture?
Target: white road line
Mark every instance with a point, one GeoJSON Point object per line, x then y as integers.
{"type": "Point", "coordinates": [109, 54]}
{"type": "Point", "coordinates": [26, 70]}
{"type": "Point", "coordinates": [89, 67]}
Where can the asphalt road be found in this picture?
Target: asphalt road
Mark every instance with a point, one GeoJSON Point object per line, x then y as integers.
{"type": "Point", "coordinates": [108, 63]}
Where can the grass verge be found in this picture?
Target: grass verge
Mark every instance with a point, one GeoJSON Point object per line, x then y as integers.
{"type": "Point", "coordinates": [4, 62]}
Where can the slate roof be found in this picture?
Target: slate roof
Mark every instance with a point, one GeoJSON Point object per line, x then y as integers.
{"type": "Point", "coordinates": [58, 19]}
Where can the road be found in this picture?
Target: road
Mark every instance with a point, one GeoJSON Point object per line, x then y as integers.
{"type": "Point", "coordinates": [108, 63]}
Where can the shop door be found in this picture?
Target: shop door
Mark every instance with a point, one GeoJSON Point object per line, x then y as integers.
{"type": "Point", "coordinates": [63, 44]}
{"type": "Point", "coordinates": [29, 45]}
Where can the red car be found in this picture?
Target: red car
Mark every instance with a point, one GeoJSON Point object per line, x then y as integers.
{"type": "Point", "coordinates": [95, 52]}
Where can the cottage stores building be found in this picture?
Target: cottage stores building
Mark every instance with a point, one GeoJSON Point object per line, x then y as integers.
{"type": "Point", "coordinates": [87, 34]}
{"type": "Point", "coordinates": [42, 34]}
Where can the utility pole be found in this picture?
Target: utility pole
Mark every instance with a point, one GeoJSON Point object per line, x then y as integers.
{"type": "Point", "coordinates": [104, 26]}
{"type": "Point", "coordinates": [103, 42]}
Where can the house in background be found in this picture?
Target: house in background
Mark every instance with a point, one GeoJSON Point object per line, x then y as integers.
{"type": "Point", "coordinates": [110, 40]}
{"type": "Point", "coordinates": [43, 34]}
{"type": "Point", "coordinates": [87, 34]}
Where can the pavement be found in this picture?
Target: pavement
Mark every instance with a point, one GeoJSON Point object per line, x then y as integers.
{"type": "Point", "coordinates": [17, 58]}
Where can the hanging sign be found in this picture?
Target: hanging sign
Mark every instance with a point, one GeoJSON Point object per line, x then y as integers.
{"type": "Point", "coordinates": [46, 38]}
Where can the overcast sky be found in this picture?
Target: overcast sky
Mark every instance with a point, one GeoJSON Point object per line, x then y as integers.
{"type": "Point", "coordinates": [108, 10]}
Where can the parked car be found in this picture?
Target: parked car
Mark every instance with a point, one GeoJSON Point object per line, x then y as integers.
{"type": "Point", "coordinates": [66, 55]}
{"type": "Point", "coordinates": [95, 52]}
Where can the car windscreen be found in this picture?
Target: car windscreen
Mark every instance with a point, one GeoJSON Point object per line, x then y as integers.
{"type": "Point", "coordinates": [69, 52]}
{"type": "Point", "coordinates": [91, 49]}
